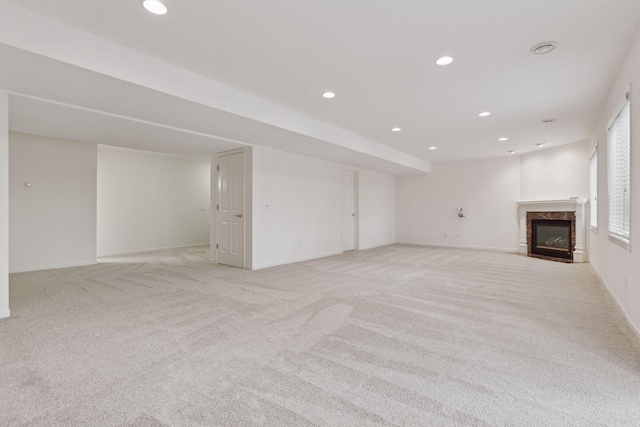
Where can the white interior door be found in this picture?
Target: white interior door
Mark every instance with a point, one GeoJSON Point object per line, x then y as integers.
{"type": "Point", "coordinates": [231, 209]}
{"type": "Point", "coordinates": [348, 211]}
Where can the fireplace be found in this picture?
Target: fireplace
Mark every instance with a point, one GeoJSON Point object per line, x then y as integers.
{"type": "Point", "coordinates": [551, 243]}
{"type": "Point", "coordinates": [551, 238]}
{"type": "Point", "coordinates": [551, 235]}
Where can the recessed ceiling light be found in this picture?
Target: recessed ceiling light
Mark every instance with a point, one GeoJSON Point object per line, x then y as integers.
{"type": "Point", "coordinates": [433, 148]}
{"type": "Point", "coordinates": [544, 48]}
{"type": "Point", "coordinates": [329, 95]}
{"type": "Point", "coordinates": [547, 121]}
{"type": "Point", "coordinates": [154, 6]}
{"type": "Point", "coordinates": [484, 114]}
{"type": "Point", "coordinates": [503, 139]}
{"type": "Point", "coordinates": [540, 145]}
{"type": "Point", "coordinates": [512, 151]}
{"type": "Point", "coordinates": [445, 60]}
{"type": "Point", "coordinates": [396, 130]}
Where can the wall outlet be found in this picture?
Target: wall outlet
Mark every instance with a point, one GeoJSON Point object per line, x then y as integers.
{"type": "Point", "coordinates": [445, 234]}
{"type": "Point", "coordinates": [300, 243]}
{"type": "Point", "coordinates": [457, 234]}
{"type": "Point", "coordinates": [203, 208]}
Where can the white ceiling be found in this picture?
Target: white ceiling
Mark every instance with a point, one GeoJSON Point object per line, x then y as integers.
{"type": "Point", "coordinates": [378, 57]}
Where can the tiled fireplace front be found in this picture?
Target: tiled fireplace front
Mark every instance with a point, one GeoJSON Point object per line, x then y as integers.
{"type": "Point", "coordinates": [551, 235]}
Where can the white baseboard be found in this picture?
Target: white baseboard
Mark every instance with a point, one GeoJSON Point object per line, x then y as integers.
{"type": "Point", "coordinates": [141, 251]}
{"type": "Point", "coordinates": [54, 266]}
{"type": "Point", "coordinates": [4, 313]}
{"type": "Point", "coordinates": [364, 248]}
{"type": "Point", "coordinates": [481, 248]}
{"type": "Point", "coordinates": [291, 261]}
{"type": "Point", "coordinates": [633, 327]}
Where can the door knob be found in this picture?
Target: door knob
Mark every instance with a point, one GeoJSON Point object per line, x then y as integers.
{"type": "Point", "coordinates": [239, 215]}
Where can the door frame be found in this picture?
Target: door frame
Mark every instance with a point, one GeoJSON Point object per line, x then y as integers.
{"type": "Point", "coordinates": [356, 207]}
{"type": "Point", "coordinates": [247, 198]}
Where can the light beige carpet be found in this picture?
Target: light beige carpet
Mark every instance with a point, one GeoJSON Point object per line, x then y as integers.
{"type": "Point", "coordinates": [398, 335]}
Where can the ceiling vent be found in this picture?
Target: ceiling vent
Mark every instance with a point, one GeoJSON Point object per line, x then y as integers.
{"type": "Point", "coordinates": [544, 48]}
{"type": "Point", "coordinates": [548, 121]}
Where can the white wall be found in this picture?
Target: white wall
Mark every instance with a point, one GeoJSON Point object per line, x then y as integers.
{"type": "Point", "coordinates": [53, 222]}
{"type": "Point", "coordinates": [618, 267]}
{"type": "Point", "coordinates": [556, 173]}
{"type": "Point", "coordinates": [4, 204]}
{"type": "Point", "coordinates": [304, 220]}
{"type": "Point", "coordinates": [149, 201]}
{"type": "Point", "coordinates": [487, 190]}
{"type": "Point", "coordinates": [376, 209]}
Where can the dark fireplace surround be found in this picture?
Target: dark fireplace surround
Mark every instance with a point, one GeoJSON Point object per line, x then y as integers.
{"type": "Point", "coordinates": [562, 253]}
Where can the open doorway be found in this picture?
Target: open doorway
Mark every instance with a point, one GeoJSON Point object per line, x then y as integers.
{"type": "Point", "coordinates": [149, 201]}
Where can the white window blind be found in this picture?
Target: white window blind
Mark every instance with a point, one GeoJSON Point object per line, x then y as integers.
{"type": "Point", "coordinates": [619, 144]}
{"type": "Point", "coordinates": [593, 189]}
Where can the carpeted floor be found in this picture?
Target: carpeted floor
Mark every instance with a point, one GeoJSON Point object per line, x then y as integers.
{"type": "Point", "coordinates": [399, 335]}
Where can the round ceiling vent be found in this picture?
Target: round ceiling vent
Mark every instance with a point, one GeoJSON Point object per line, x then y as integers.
{"type": "Point", "coordinates": [544, 48]}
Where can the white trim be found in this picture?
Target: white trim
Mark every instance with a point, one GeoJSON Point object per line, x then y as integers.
{"type": "Point", "coordinates": [623, 243]}
{"type": "Point", "coordinates": [594, 153]}
{"type": "Point", "coordinates": [55, 266]}
{"type": "Point", "coordinates": [572, 202]}
{"type": "Point", "coordinates": [377, 246]}
{"type": "Point", "coordinates": [480, 248]}
{"type": "Point", "coordinates": [615, 299]}
{"type": "Point", "coordinates": [292, 261]}
{"type": "Point", "coordinates": [140, 251]}
{"type": "Point", "coordinates": [5, 313]}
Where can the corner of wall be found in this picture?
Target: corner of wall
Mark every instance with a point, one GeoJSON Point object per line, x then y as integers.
{"type": "Point", "coordinates": [248, 197]}
{"type": "Point", "coordinates": [4, 204]}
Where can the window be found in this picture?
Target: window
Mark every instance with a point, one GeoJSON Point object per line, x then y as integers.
{"type": "Point", "coordinates": [619, 148]}
{"type": "Point", "coordinates": [593, 189]}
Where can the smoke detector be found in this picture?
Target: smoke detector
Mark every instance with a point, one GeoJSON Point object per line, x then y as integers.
{"type": "Point", "coordinates": [544, 48]}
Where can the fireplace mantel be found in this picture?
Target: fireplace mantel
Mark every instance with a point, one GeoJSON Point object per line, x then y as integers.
{"type": "Point", "coordinates": [579, 206]}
